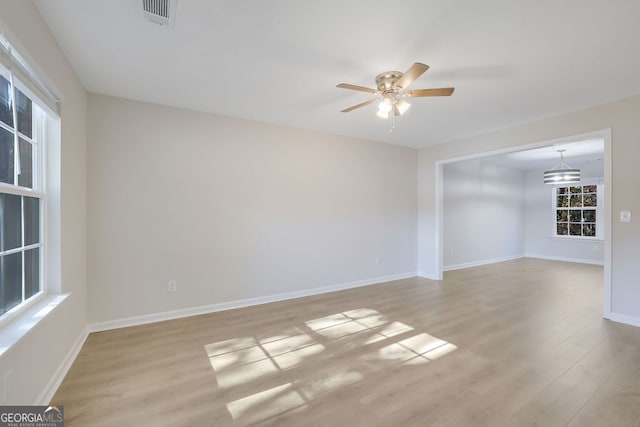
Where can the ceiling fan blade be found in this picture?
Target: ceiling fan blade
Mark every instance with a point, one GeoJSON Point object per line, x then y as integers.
{"type": "Point", "coordinates": [445, 91]}
{"type": "Point", "coordinates": [355, 87]}
{"type": "Point", "coordinates": [412, 73]}
{"type": "Point", "coordinates": [363, 104]}
{"type": "Point", "coordinates": [396, 111]}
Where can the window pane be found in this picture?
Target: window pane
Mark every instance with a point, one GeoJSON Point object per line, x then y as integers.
{"type": "Point", "coordinates": [562, 228]}
{"type": "Point", "coordinates": [6, 156]}
{"type": "Point", "coordinates": [31, 220]}
{"type": "Point", "coordinates": [6, 113]}
{"type": "Point", "coordinates": [589, 230]}
{"type": "Point", "coordinates": [31, 272]}
{"type": "Point", "coordinates": [589, 215]}
{"type": "Point", "coordinates": [25, 179]}
{"type": "Point", "coordinates": [590, 189]}
{"type": "Point", "coordinates": [590, 200]}
{"type": "Point", "coordinates": [576, 190]}
{"type": "Point", "coordinates": [575, 229]}
{"type": "Point", "coordinates": [576, 201]}
{"type": "Point", "coordinates": [25, 122]}
{"type": "Point", "coordinates": [575, 215]}
{"type": "Point", "coordinates": [563, 190]}
{"type": "Point", "coordinates": [10, 222]}
{"type": "Point", "coordinates": [562, 215]}
{"type": "Point", "coordinates": [11, 279]}
{"type": "Point", "coordinates": [563, 201]}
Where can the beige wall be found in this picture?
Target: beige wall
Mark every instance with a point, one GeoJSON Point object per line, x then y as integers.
{"type": "Point", "coordinates": [483, 213]}
{"type": "Point", "coordinates": [35, 359]}
{"type": "Point", "coordinates": [234, 209]}
{"type": "Point", "coordinates": [622, 118]}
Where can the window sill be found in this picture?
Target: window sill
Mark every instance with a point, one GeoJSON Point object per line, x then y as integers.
{"type": "Point", "coordinates": [19, 326]}
{"type": "Point", "coordinates": [582, 239]}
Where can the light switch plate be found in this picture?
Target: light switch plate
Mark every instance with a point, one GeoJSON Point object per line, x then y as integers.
{"type": "Point", "coordinates": [625, 216]}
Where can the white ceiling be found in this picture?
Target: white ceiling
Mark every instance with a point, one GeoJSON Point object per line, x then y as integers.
{"type": "Point", "coordinates": [278, 61]}
{"type": "Point", "coordinates": [576, 153]}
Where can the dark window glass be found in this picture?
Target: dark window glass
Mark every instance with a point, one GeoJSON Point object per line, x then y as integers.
{"type": "Point", "coordinates": [563, 201]}
{"type": "Point", "coordinates": [562, 215]}
{"type": "Point", "coordinates": [6, 156]}
{"type": "Point", "coordinates": [25, 122]}
{"type": "Point", "coordinates": [576, 190]}
{"type": "Point", "coordinates": [575, 215]}
{"type": "Point", "coordinates": [11, 222]}
{"type": "Point", "coordinates": [11, 278]}
{"type": "Point", "coordinates": [590, 200]}
{"type": "Point", "coordinates": [31, 272]}
{"type": "Point", "coordinates": [589, 215]}
{"type": "Point", "coordinates": [590, 188]}
{"type": "Point", "coordinates": [576, 201]}
{"type": "Point", "coordinates": [31, 220]}
{"type": "Point", "coordinates": [589, 230]}
{"type": "Point", "coordinates": [6, 113]}
{"type": "Point", "coordinates": [25, 179]}
{"type": "Point", "coordinates": [575, 229]}
{"type": "Point", "coordinates": [562, 228]}
{"type": "Point", "coordinates": [563, 190]}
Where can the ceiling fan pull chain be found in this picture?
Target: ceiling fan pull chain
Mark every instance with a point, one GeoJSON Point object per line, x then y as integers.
{"type": "Point", "coordinates": [392, 123]}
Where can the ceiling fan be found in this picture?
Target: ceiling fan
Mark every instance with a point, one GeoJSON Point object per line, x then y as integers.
{"type": "Point", "coordinates": [391, 87]}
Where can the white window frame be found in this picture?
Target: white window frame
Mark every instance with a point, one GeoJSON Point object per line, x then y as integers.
{"type": "Point", "coordinates": [599, 208]}
{"type": "Point", "coordinates": [38, 190]}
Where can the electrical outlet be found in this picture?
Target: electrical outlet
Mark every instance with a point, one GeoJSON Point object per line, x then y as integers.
{"type": "Point", "coordinates": [172, 286]}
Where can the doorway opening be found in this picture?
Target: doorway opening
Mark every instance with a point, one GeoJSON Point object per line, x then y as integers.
{"type": "Point", "coordinates": [497, 176]}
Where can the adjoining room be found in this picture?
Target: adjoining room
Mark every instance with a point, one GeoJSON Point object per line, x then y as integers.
{"type": "Point", "coordinates": [284, 213]}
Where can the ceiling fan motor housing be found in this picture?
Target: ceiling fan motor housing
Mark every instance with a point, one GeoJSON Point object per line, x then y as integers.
{"type": "Point", "coordinates": [385, 81]}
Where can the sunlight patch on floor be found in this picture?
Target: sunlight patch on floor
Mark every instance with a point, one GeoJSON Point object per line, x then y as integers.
{"type": "Point", "coordinates": [288, 332]}
{"type": "Point", "coordinates": [294, 358]}
{"type": "Point", "coordinates": [415, 350]}
{"type": "Point", "coordinates": [314, 347]}
{"type": "Point", "coordinates": [392, 353]}
{"type": "Point", "coordinates": [287, 344]}
{"type": "Point", "coordinates": [226, 346]}
{"type": "Point", "coordinates": [326, 384]}
{"type": "Point", "coordinates": [422, 343]}
{"type": "Point", "coordinates": [245, 360]}
{"type": "Point", "coordinates": [265, 404]}
{"type": "Point", "coordinates": [391, 330]}
{"type": "Point", "coordinates": [441, 351]}
{"type": "Point", "coordinates": [327, 321]}
{"type": "Point", "coordinates": [237, 358]}
{"type": "Point", "coordinates": [342, 330]}
{"type": "Point", "coordinates": [245, 374]}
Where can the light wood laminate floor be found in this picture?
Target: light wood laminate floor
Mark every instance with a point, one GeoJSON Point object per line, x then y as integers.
{"type": "Point", "coordinates": [517, 343]}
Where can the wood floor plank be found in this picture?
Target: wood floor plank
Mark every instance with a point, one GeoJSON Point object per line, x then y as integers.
{"type": "Point", "coordinates": [511, 344]}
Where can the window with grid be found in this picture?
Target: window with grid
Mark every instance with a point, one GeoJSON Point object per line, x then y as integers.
{"type": "Point", "coordinates": [21, 194]}
{"type": "Point", "coordinates": [577, 211]}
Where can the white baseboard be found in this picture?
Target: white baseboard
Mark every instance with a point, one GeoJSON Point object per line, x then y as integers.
{"type": "Point", "coordinates": [194, 311]}
{"type": "Point", "coordinates": [623, 318]}
{"type": "Point", "coordinates": [565, 259]}
{"type": "Point", "coordinates": [479, 263]}
{"type": "Point", "coordinates": [51, 388]}
{"type": "Point", "coordinates": [427, 276]}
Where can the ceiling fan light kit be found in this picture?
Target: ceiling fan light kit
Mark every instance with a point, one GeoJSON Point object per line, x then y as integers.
{"type": "Point", "coordinates": [391, 87]}
{"type": "Point", "coordinates": [561, 173]}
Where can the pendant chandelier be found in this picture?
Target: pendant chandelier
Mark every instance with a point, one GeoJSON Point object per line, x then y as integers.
{"type": "Point", "coordinates": [561, 173]}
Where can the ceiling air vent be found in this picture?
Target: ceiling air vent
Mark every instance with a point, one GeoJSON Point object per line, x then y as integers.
{"type": "Point", "coordinates": [161, 12]}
